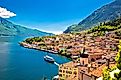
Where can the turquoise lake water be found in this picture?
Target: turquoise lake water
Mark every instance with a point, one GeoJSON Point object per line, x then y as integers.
{"type": "Point", "coordinates": [19, 63]}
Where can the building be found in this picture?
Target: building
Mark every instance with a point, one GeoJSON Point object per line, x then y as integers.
{"type": "Point", "coordinates": [71, 70]}
{"type": "Point", "coordinates": [81, 69]}
{"type": "Point", "coordinates": [68, 71]}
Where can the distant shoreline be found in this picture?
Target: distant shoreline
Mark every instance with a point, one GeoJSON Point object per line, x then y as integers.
{"type": "Point", "coordinates": [6, 36]}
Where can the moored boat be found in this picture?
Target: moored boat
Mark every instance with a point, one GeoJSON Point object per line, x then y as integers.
{"type": "Point", "coordinates": [49, 59]}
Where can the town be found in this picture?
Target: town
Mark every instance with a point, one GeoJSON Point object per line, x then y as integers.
{"type": "Point", "coordinates": [89, 54]}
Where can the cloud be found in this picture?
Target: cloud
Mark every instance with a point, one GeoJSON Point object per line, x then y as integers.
{"type": "Point", "coordinates": [4, 13]}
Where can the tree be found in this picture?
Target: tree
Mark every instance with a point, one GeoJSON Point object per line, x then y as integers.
{"type": "Point", "coordinates": [116, 70]}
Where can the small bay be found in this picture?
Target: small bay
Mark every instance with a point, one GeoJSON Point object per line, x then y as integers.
{"type": "Point", "coordinates": [19, 63]}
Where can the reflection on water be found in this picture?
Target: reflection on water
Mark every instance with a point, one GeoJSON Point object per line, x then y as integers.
{"type": "Point", "coordinates": [18, 63]}
{"type": "Point", "coordinates": [4, 51]}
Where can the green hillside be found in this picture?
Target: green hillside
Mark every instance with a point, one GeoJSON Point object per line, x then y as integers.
{"type": "Point", "coordinates": [103, 28]}
{"type": "Point", "coordinates": [7, 28]}
{"type": "Point", "coordinates": [107, 12]}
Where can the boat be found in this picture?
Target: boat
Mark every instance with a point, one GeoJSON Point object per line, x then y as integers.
{"type": "Point", "coordinates": [49, 59]}
{"type": "Point", "coordinates": [55, 77]}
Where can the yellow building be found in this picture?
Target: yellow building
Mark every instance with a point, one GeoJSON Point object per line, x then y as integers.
{"type": "Point", "coordinates": [68, 71]}
{"type": "Point", "coordinates": [71, 70]}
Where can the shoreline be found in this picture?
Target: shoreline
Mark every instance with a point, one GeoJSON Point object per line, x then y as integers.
{"type": "Point", "coordinates": [25, 45]}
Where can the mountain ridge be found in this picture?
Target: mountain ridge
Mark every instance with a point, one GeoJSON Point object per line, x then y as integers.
{"type": "Point", "coordinates": [107, 12]}
{"type": "Point", "coordinates": [7, 28]}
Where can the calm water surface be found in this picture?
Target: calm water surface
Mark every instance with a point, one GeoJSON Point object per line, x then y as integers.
{"type": "Point", "coordinates": [18, 63]}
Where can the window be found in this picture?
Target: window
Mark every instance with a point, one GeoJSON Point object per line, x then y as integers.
{"type": "Point", "coordinates": [83, 62]}
{"type": "Point", "coordinates": [66, 75]}
{"type": "Point", "coordinates": [75, 72]}
{"type": "Point", "coordinates": [75, 69]}
{"type": "Point", "coordinates": [64, 67]}
{"type": "Point", "coordinates": [60, 75]}
{"type": "Point", "coordinates": [69, 75]}
{"type": "Point", "coordinates": [66, 71]}
{"type": "Point", "coordinates": [60, 70]}
{"type": "Point", "coordinates": [92, 59]}
{"type": "Point", "coordinates": [69, 72]}
{"type": "Point", "coordinates": [63, 71]}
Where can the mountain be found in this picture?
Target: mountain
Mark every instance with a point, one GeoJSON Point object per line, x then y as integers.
{"type": "Point", "coordinates": [7, 28]}
{"type": "Point", "coordinates": [107, 12]}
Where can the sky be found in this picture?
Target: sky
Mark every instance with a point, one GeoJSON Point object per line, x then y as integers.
{"type": "Point", "coordinates": [48, 15]}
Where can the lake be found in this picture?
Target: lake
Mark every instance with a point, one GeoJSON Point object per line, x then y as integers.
{"type": "Point", "coordinates": [19, 63]}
